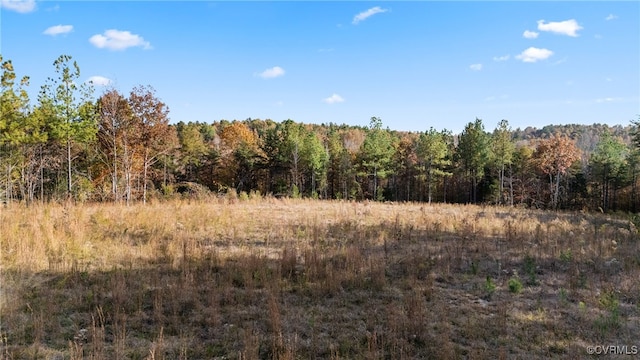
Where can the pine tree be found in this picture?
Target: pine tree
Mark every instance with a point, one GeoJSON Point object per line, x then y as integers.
{"type": "Point", "coordinates": [73, 120]}
{"type": "Point", "coordinates": [376, 152]}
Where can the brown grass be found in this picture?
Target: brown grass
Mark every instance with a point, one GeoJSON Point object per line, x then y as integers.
{"type": "Point", "coordinates": [285, 279]}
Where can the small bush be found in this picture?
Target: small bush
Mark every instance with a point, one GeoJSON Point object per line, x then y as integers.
{"type": "Point", "coordinates": [295, 192]}
{"type": "Point", "coordinates": [530, 269]}
{"type": "Point", "coordinates": [474, 267]}
{"type": "Point", "coordinates": [566, 256]}
{"type": "Point", "coordinates": [489, 287]}
{"type": "Point", "coordinates": [564, 297]}
{"type": "Point", "coordinates": [255, 195]}
{"type": "Point", "coordinates": [608, 300]}
{"type": "Point", "coordinates": [515, 286]}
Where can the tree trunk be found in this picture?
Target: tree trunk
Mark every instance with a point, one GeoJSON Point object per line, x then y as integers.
{"type": "Point", "coordinates": [429, 185]}
{"type": "Point", "coordinates": [114, 177]}
{"type": "Point", "coordinates": [501, 187]}
{"type": "Point", "coordinates": [68, 167]}
{"type": "Point", "coordinates": [633, 191]}
{"type": "Point", "coordinates": [127, 165]}
{"type": "Point", "coordinates": [557, 192]}
{"type": "Point", "coordinates": [444, 190]}
{"type": "Point", "coordinates": [41, 178]}
{"type": "Point", "coordinates": [375, 182]}
{"type": "Point", "coordinates": [144, 177]}
{"type": "Point", "coordinates": [510, 186]}
{"type": "Point", "coordinates": [409, 188]}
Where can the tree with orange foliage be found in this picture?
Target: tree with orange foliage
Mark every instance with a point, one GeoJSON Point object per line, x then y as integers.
{"type": "Point", "coordinates": [239, 152]}
{"type": "Point", "coordinates": [115, 138]}
{"type": "Point", "coordinates": [554, 157]}
{"type": "Point", "coordinates": [151, 119]}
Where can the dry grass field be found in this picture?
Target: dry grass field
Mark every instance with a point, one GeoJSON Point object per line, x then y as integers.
{"type": "Point", "coordinates": [303, 279]}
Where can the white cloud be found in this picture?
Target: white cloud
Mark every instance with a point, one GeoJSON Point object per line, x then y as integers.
{"type": "Point", "coordinates": [501, 58]}
{"type": "Point", "coordinates": [272, 73]}
{"type": "Point", "coordinates": [335, 98]}
{"type": "Point", "coordinates": [606, 100]}
{"type": "Point", "coordinates": [365, 14]}
{"type": "Point", "coordinates": [611, 17]}
{"type": "Point", "coordinates": [530, 34]}
{"type": "Point", "coordinates": [533, 54]}
{"type": "Point", "coordinates": [475, 67]}
{"type": "Point", "coordinates": [58, 29]}
{"type": "Point", "coordinates": [567, 27]}
{"type": "Point", "coordinates": [21, 6]}
{"type": "Point", "coordinates": [118, 40]}
{"type": "Point", "coordinates": [99, 80]}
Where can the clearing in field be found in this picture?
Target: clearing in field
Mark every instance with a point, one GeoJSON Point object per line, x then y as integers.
{"type": "Point", "coordinates": [267, 278]}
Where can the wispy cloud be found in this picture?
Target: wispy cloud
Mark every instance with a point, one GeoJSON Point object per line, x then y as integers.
{"type": "Point", "coordinates": [58, 29]}
{"type": "Point", "coordinates": [99, 80]}
{"type": "Point", "coordinates": [533, 54]}
{"type": "Point", "coordinates": [567, 27]}
{"type": "Point", "coordinates": [502, 58]}
{"type": "Point", "coordinates": [606, 100]}
{"type": "Point", "coordinates": [611, 17]}
{"type": "Point", "coordinates": [530, 34]}
{"type": "Point", "coordinates": [21, 6]}
{"type": "Point", "coordinates": [475, 67]}
{"type": "Point", "coordinates": [561, 61]}
{"type": "Point", "coordinates": [118, 40]}
{"type": "Point", "coordinates": [333, 99]}
{"type": "Point", "coordinates": [272, 73]}
{"type": "Point", "coordinates": [368, 13]}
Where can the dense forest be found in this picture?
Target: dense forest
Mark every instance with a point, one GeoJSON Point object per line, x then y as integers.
{"type": "Point", "coordinates": [73, 144]}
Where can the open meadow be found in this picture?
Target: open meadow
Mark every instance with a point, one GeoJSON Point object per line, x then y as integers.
{"type": "Point", "coordinates": [273, 278]}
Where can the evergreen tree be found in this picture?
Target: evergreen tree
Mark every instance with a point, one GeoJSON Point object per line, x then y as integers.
{"type": "Point", "coordinates": [73, 120]}
{"type": "Point", "coordinates": [473, 154]}
{"type": "Point", "coordinates": [608, 163]}
{"type": "Point", "coordinates": [316, 160]}
{"type": "Point", "coordinates": [376, 152]}
{"type": "Point", "coordinates": [432, 156]}
{"type": "Point", "coordinates": [503, 148]}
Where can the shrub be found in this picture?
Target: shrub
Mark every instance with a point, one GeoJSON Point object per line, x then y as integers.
{"type": "Point", "coordinates": [530, 269]}
{"type": "Point", "coordinates": [489, 287]}
{"type": "Point", "coordinates": [566, 256]}
{"type": "Point", "coordinates": [515, 286]}
{"type": "Point", "coordinates": [608, 300]}
{"type": "Point", "coordinates": [295, 192]}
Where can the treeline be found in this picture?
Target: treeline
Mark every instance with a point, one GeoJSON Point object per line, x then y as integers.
{"type": "Point", "coordinates": [121, 147]}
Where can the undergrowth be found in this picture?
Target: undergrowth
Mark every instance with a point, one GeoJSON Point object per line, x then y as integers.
{"type": "Point", "coordinates": [255, 278]}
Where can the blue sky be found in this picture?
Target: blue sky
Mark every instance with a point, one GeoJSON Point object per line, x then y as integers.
{"type": "Point", "coordinates": [413, 64]}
